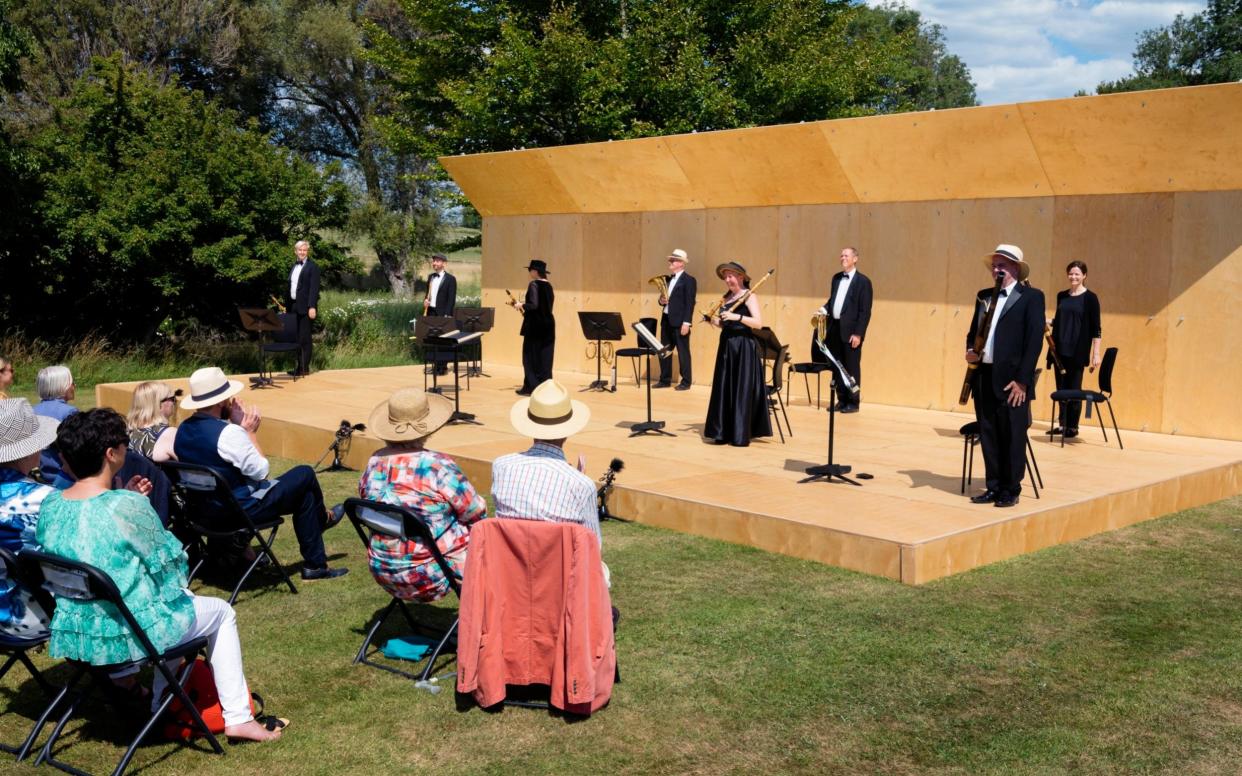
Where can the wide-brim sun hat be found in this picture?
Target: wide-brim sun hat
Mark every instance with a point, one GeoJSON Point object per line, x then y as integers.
{"type": "Point", "coordinates": [409, 414]}
{"type": "Point", "coordinates": [549, 413]}
{"type": "Point", "coordinates": [1013, 253]}
{"type": "Point", "coordinates": [22, 432]}
{"type": "Point", "coordinates": [732, 266]}
{"type": "Point", "coordinates": [209, 386]}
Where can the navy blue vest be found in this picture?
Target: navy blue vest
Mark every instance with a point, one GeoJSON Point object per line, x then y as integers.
{"type": "Point", "coordinates": [197, 441]}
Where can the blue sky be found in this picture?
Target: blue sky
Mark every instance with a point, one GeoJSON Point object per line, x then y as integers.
{"type": "Point", "coordinates": [1020, 50]}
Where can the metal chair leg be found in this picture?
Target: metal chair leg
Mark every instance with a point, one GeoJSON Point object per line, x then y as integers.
{"type": "Point", "coordinates": [1109, 404]}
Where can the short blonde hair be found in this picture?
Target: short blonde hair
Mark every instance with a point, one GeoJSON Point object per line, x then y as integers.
{"type": "Point", "coordinates": [144, 410]}
{"type": "Point", "coordinates": [54, 382]}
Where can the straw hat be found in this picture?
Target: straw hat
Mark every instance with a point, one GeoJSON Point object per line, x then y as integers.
{"type": "Point", "coordinates": [21, 431]}
{"type": "Point", "coordinates": [732, 266]}
{"type": "Point", "coordinates": [680, 255]}
{"type": "Point", "coordinates": [209, 386]}
{"type": "Point", "coordinates": [549, 413]}
{"type": "Point", "coordinates": [1013, 253]}
{"type": "Point", "coordinates": [409, 414]}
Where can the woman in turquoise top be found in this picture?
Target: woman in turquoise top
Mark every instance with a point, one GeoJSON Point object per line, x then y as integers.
{"type": "Point", "coordinates": [118, 532]}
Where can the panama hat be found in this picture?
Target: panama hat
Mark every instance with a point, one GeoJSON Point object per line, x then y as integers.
{"type": "Point", "coordinates": [1013, 253]}
{"type": "Point", "coordinates": [21, 431]}
{"type": "Point", "coordinates": [549, 413]}
{"type": "Point", "coordinates": [409, 414]}
{"type": "Point", "coordinates": [209, 386]}
{"type": "Point", "coordinates": [680, 255]}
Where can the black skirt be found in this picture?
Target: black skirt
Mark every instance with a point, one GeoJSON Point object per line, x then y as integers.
{"type": "Point", "coordinates": [738, 410]}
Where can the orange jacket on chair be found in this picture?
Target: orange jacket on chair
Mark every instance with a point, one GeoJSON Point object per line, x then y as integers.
{"type": "Point", "coordinates": [535, 610]}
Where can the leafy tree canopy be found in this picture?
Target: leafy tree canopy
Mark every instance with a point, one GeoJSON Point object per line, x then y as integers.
{"type": "Point", "coordinates": [155, 202]}
{"type": "Point", "coordinates": [1205, 48]}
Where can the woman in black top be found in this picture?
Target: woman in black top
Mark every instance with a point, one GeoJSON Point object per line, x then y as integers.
{"type": "Point", "coordinates": [738, 408]}
{"type": "Point", "coordinates": [1076, 334]}
{"type": "Point", "coordinates": [538, 328]}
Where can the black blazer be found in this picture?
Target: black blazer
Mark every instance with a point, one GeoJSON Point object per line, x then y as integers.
{"type": "Point", "coordinates": [682, 299]}
{"type": "Point", "coordinates": [446, 301]}
{"type": "Point", "coordinates": [1019, 335]}
{"type": "Point", "coordinates": [1088, 329]}
{"type": "Point", "coordinates": [308, 288]}
{"type": "Point", "coordinates": [856, 312]}
{"type": "Point", "coordinates": [538, 320]}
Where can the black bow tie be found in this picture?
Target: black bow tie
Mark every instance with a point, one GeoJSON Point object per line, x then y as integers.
{"type": "Point", "coordinates": [1004, 292]}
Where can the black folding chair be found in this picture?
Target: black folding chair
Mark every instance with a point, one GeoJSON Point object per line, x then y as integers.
{"type": "Point", "coordinates": [377, 517]}
{"type": "Point", "coordinates": [16, 647]}
{"type": "Point", "coordinates": [71, 579]}
{"type": "Point", "coordinates": [1102, 396]}
{"type": "Point", "coordinates": [211, 511]}
{"type": "Point", "coordinates": [641, 350]}
{"type": "Point", "coordinates": [773, 390]}
{"type": "Point", "coordinates": [283, 341]}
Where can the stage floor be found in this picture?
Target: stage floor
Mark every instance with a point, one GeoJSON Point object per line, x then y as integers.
{"type": "Point", "coordinates": [909, 523]}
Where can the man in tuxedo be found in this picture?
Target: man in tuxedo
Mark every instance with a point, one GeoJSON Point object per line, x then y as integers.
{"type": "Point", "coordinates": [441, 299]}
{"type": "Point", "coordinates": [303, 301]}
{"type": "Point", "coordinates": [849, 311]}
{"type": "Point", "coordinates": [676, 318]}
{"type": "Point", "coordinates": [1005, 373]}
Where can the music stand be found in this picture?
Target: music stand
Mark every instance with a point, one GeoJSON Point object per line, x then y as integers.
{"type": "Point", "coordinates": [472, 319]}
{"type": "Point", "coordinates": [653, 348]}
{"type": "Point", "coordinates": [831, 470]}
{"type": "Point", "coordinates": [601, 327]}
{"type": "Point", "coordinates": [260, 320]}
{"type": "Point", "coordinates": [454, 340]}
{"type": "Point", "coordinates": [431, 326]}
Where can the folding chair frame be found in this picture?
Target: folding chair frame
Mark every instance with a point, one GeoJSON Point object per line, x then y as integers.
{"type": "Point", "coordinates": [11, 568]}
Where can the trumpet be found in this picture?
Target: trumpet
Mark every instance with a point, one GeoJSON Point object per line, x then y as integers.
{"type": "Point", "coordinates": [513, 302]}
{"type": "Point", "coordinates": [661, 284]}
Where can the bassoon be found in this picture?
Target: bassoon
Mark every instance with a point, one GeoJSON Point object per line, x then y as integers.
{"type": "Point", "coordinates": [981, 339]}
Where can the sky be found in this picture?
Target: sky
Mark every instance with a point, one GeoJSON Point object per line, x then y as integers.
{"type": "Point", "coordinates": [1021, 50]}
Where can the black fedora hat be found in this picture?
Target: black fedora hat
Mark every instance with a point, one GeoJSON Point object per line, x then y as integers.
{"type": "Point", "coordinates": [539, 265]}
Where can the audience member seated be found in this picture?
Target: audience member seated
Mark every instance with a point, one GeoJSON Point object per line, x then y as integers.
{"type": "Point", "coordinates": [428, 483]}
{"type": "Point", "coordinates": [6, 377]}
{"type": "Point", "coordinates": [149, 421]}
{"type": "Point", "coordinates": [56, 390]}
{"type": "Point", "coordinates": [539, 484]}
{"type": "Point", "coordinates": [23, 435]}
{"type": "Point", "coordinates": [221, 434]}
{"type": "Point", "coordinates": [118, 532]}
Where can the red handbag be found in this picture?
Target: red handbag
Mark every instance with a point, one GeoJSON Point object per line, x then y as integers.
{"type": "Point", "coordinates": [201, 688]}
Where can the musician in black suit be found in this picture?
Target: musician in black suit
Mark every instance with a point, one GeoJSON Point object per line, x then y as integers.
{"type": "Point", "coordinates": [441, 299]}
{"type": "Point", "coordinates": [849, 311]}
{"type": "Point", "coordinates": [538, 328]}
{"type": "Point", "coordinates": [1005, 373]}
{"type": "Point", "coordinates": [676, 318]}
{"type": "Point", "coordinates": [303, 301]}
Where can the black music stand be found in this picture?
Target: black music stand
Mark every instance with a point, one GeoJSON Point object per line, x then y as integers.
{"type": "Point", "coordinates": [655, 348]}
{"type": "Point", "coordinates": [454, 341]}
{"type": "Point", "coordinates": [827, 472]}
{"type": "Point", "coordinates": [428, 327]}
{"type": "Point", "coordinates": [601, 327]}
{"type": "Point", "coordinates": [260, 320]}
{"type": "Point", "coordinates": [472, 319]}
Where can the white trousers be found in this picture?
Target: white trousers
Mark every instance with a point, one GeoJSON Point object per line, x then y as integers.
{"type": "Point", "coordinates": [215, 619]}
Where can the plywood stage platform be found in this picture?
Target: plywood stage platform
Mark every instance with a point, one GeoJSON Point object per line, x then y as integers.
{"type": "Point", "coordinates": [909, 523]}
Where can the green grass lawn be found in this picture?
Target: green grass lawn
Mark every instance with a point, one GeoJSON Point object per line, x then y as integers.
{"type": "Point", "coordinates": [1117, 654]}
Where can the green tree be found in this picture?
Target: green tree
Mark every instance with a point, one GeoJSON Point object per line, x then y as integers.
{"type": "Point", "coordinates": [1205, 48]}
{"type": "Point", "coordinates": [154, 203]}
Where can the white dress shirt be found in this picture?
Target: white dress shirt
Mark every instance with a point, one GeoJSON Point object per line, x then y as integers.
{"type": "Point", "coordinates": [1000, 305]}
{"type": "Point", "coordinates": [293, 280]}
{"type": "Point", "coordinates": [672, 282]}
{"type": "Point", "coordinates": [842, 289]}
{"type": "Point", "coordinates": [433, 291]}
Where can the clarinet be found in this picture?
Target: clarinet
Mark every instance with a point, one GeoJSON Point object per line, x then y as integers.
{"type": "Point", "coordinates": [981, 339]}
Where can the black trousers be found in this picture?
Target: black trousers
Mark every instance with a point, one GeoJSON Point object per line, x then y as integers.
{"type": "Point", "coordinates": [1072, 379]}
{"type": "Point", "coordinates": [1002, 434]}
{"type": "Point", "coordinates": [670, 334]}
{"type": "Point", "coordinates": [536, 361]}
{"type": "Point", "coordinates": [304, 343]}
{"type": "Point", "coordinates": [296, 492]}
{"type": "Point", "coordinates": [850, 358]}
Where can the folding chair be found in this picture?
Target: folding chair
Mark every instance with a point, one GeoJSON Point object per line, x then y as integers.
{"type": "Point", "coordinates": [82, 582]}
{"type": "Point", "coordinates": [16, 647]}
{"type": "Point", "coordinates": [211, 510]}
{"type": "Point", "coordinates": [1102, 396]}
{"type": "Point", "coordinates": [773, 390]}
{"type": "Point", "coordinates": [805, 368]}
{"type": "Point", "coordinates": [283, 341]}
{"type": "Point", "coordinates": [372, 517]}
{"type": "Point", "coordinates": [640, 351]}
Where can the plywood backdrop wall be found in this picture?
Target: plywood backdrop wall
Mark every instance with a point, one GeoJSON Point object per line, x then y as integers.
{"type": "Point", "coordinates": [1146, 188]}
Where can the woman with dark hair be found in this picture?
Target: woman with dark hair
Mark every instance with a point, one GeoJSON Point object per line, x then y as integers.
{"type": "Point", "coordinates": [118, 532]}
{"type": "Point", "coordinates": [738, 409]}
{"type": "Point", "coordinates": [1076, 334]}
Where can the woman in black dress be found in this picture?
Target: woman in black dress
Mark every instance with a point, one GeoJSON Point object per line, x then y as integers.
{"type": "Point", "coordinates": [538, 328]}
{"type": "Point", "coordinates": [1076, 334]}
{"type": "Point", "coordinates": [738, 409]}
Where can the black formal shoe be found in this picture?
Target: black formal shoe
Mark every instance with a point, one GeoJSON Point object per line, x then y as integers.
{"type": "Point", "coordinates": [662, 385]}
{"type": "Point", "coordinates": [848, 409]}
{"type": "Point", "coordinates": [1070, 433]}
{"type": "Point", "coordinates": [294, 373]}
{"type": "Point", "coordinates": [682, 388]}
{"type": "Point", "coordinates": [522, 392]}
{"type": "Point", "coordinates": [986, 497]}
{"type": "Point", "coordinates": [1005, 501]}
{"type": "Point", "coordinates": [333, 516]}
{"type": "Point", "coordinates": [1054, 431]}
{"type": "Point", "coordinates": [323, 573]}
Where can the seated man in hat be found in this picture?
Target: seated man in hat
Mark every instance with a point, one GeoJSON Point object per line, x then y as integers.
{"type": "Point", "coordinates": [221, 434]}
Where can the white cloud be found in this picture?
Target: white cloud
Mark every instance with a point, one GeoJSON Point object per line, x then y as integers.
{"type": "Point", "coordinates": [1020, 50]}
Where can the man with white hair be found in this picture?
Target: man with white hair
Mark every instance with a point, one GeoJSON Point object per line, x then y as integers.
{"type": "Point", "coordinates": [221, 434]}
{"type": "Point", "coordinates": [303, 301]}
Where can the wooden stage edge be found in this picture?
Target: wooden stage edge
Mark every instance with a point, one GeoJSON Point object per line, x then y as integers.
{"type": "Point", "coordinates": [910, 523]}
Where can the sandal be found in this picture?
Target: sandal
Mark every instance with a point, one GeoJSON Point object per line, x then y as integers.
{"type": "Point", "coordinates": [268, 721]}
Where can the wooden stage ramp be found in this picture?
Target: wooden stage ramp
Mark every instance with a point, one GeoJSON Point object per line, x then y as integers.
{"type": "Point", "coordinates": [909, 523]}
